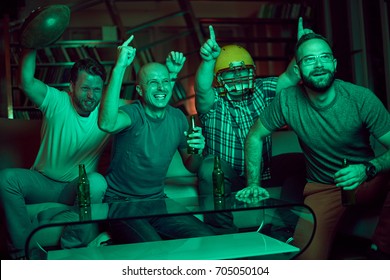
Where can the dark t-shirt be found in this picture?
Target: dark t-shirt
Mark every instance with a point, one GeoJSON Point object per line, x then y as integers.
{"type": "Point", "coordinates": [327, 135]}
{"type": "Point", "coordinates": [142, 153]}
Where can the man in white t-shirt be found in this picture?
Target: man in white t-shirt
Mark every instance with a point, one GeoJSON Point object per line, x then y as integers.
{"type": "Point", "coordinates": [69, 136]}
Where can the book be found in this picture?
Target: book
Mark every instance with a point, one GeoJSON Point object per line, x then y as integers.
{"type": "Point", "coordinates": [49, 55]}
{"type": "Point", "coordinates": [65, 53]}
{"type": "Point", "coordinates": [58, 55]}
{"type": "Point", "coordinates": [92, 53]}
{"type": "Point", "coordinates": [73, 54]}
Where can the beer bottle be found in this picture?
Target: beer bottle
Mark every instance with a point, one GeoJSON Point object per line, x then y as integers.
{"type": "Point", "coordinates": [347, 196]}
{"type": "Point", "coordinates": [219, 202]}
{"type": "Point", "coordinates": [191, 150]}
{"type": "Point", "coordinates": [218, 178]}
{"type": "Point", "coordinates": [83, 194]}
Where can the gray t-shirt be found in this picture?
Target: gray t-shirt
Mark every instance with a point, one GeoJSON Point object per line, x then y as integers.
{"type": "Point", "coordinates": [327, 135]}
{"type": "Point", "coordinates": [142, 153]}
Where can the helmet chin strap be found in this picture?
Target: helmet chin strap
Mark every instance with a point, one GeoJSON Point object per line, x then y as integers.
{"type": "Point", "coordinates": [245, 94]}
{"type": "Point", "coordinates": [237, 86]}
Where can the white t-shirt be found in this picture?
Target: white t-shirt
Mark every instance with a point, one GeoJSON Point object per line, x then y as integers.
{"type": "Point", "coordinates": [67, 139]}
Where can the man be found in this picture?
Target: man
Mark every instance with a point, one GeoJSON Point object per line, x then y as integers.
{"type": "Point", "coordinates": [227, 119]}
{"type": "Point", "coordinates": [147, 135]}
{"type": "Point", "coordinates": [70, 136]}
{"type": "Point", "coordinates": [333, 120]}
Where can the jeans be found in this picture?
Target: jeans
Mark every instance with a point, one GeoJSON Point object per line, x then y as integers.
{"type": "Point", "coordinates": [287, 170]}
{"type": "Point", "coordinates": [19, 187]}
{"type": "Point", "coordinates": [125, 231]}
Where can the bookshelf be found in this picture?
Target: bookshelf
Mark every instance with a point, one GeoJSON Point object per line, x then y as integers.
{"type": "Point", "coordinates": [269, 35]}
{"type": "Point", "coordinates": [54, 64]}
{"type": "Point", "coordinates": [266, 28]}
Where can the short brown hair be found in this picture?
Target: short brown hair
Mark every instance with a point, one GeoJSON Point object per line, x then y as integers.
{"type": "Point", "coordinates": [89, 65]}
{"type": "Point", "coordinates": [308, 37]}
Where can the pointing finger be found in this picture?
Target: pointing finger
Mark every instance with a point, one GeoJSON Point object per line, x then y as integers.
{"type": "Point", "coordinates": [127, 42]}
{"type": "Point", "coordinates": [300, 25]}
{"type": "Point", "coordinates": [212, 34]}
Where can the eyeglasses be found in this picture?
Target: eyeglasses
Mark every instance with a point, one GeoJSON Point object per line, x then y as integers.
{"type": "Point", "coordinates": [312, 59]}
{"type": "Point", "coordinates": [156, 84]}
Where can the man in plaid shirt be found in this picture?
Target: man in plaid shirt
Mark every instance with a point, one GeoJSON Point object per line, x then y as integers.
{"type": "Point", "coordinates": [227, 112]}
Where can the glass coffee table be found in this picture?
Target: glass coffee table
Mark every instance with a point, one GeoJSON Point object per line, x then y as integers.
{"type": "Point", "coordinates": [268, 229]}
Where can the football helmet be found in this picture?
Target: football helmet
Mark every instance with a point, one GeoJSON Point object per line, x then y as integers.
{"type": "Point", "coordinates": [235, 70]}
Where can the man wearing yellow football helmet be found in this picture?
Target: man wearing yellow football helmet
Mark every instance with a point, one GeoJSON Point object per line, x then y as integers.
{"type": "Point", "coordinates": [229, 99]}
{"type": "Point", "coordinates": [235, 71]}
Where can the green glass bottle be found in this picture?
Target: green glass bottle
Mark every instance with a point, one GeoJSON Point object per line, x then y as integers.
{"type": "Point", "coordinates": [347, 196]}
{"type": "Point", "coordinates": [218, 178]}
{"type": "Point", "coordinates": [83, 194]}
{"type": "Point", "coordinates": [219, 203]}
{"type": "Point", "coordinates": [191, 150]}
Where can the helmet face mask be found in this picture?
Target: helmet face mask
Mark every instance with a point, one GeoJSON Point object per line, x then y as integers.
{"type": "Point", "coordinates": [235, 72]}
{"type": "Point", "coordinates": [237, 81]}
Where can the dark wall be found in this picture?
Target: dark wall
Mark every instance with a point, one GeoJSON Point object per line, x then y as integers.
{"type": "Point", "coordinates": [10, 8]}
{"type": "Point", "coordinates": [341, 39]}
{"type": "Point", "coordinates": [374, 44]}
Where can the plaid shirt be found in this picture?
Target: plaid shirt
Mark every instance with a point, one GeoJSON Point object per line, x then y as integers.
{"type": "Point", "coordinates": [227, 124]}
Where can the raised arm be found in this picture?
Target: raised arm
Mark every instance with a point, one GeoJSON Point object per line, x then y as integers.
{"type": "Point", "coordinates": [32, 87]}
{"type": "Point", "coordinates": [289, 78]}
{"type": "Point", "coordinates": [111, 119]}
{"type": "Point", "coordinates": [253, 161]}
{"type": "Point", "coordinates": [204, 96]}
{"type": "Point", "coordinates": [174, 62]}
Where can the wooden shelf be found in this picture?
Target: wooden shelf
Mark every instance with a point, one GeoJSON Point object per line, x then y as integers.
{"type": "Point", "coordinates": [269, 34]}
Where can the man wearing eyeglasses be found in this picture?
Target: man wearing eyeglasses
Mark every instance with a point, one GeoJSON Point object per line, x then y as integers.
{"type": "Point", "coordinates": [334, 120]}
{"type": "Point", "coordinates": [147, 135]}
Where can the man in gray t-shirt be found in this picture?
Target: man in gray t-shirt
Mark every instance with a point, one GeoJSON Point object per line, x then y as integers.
{"type": "Point", "coordinates": [334, 121]}
{"type": "Point", "coordinates": [147, 135]}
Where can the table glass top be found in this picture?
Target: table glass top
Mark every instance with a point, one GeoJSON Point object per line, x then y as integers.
{"type": "Point", "coordinates": [274, 218]}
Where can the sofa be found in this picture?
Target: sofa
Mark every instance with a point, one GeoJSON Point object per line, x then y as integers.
{"type": "Point", "coordinates": [20, 139]}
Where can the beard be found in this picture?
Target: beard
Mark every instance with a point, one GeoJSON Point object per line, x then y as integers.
{"type": "Point", "coordinates": [85, 106]}
{"type": "Point", "coordinates": [318, 85]}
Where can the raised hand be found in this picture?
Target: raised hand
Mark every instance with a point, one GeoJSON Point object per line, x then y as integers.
{"type": "Point", "coordinates": [302, 31]}
{"type": "Point", "coordinates": [210, 49]}
{"type": "Point", "coordinates": [175, 62]}
{"type": "Point", "coordinates": [126, 53]}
